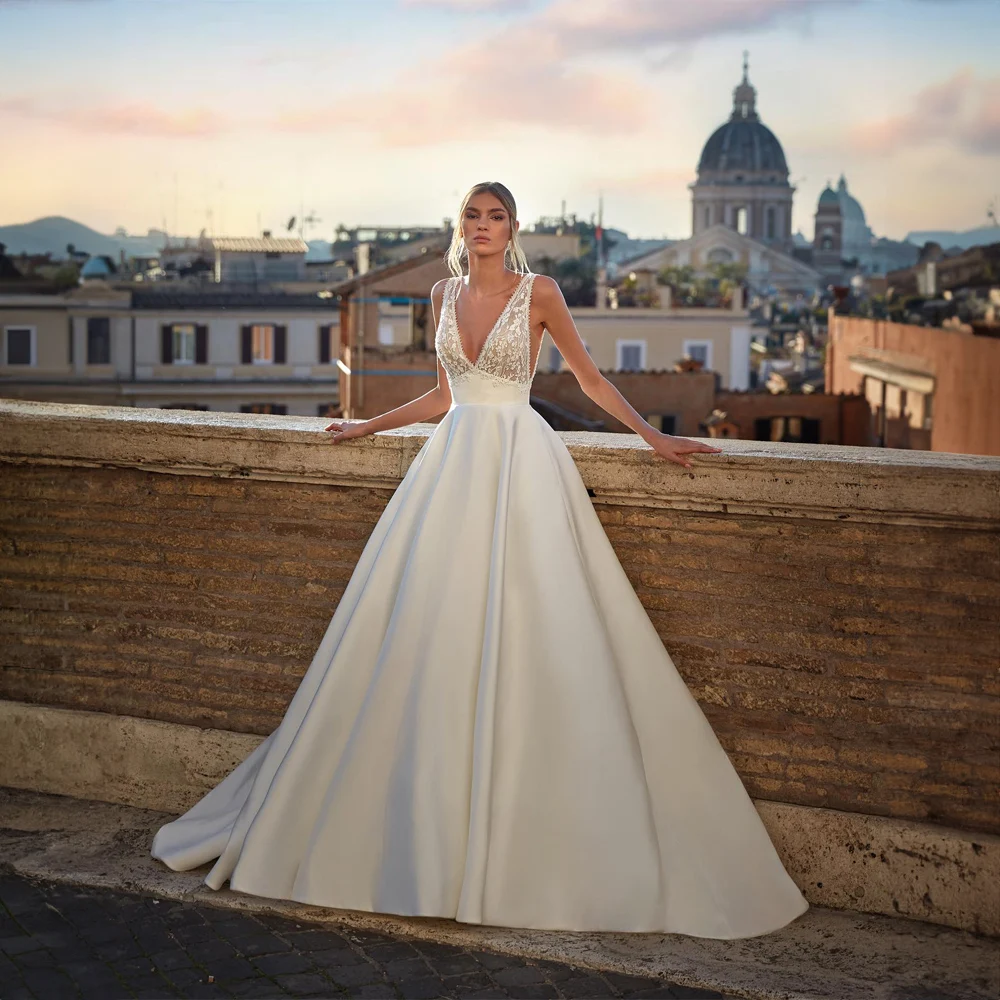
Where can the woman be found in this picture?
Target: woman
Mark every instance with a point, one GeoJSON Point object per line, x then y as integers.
{"type": "Point", "coordinates": [491, 729]}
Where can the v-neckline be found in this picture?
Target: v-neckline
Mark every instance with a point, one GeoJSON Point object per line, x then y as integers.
{"type": "Point", "coordinates": [489, 336]}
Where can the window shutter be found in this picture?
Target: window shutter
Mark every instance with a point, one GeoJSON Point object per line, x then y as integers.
{"type": "Point", "coordinates": [324, 345]}
{"type": "Point", "coordinates": [280, 336]}
{"type": "Point", "coordinates": [201, 345]}
{"type": "Point", "coordinates": [167, 344]}
{"type": "Point", "coordinates": [247, 350]}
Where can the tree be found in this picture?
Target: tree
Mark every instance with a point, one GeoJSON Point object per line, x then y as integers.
{"type": "Point", "coordinates": [577, 277]}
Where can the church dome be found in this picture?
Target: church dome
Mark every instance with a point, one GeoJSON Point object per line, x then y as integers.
{"type": "Point", "coordinates": [744, 143]}
{"type": "Point", "coordinates": [829, 197]}
{"type": "Point", "coordinates": [849, 205]}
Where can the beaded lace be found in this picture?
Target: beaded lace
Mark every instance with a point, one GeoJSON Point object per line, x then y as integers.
{"type": "Point", "coordinates": [506, 353]}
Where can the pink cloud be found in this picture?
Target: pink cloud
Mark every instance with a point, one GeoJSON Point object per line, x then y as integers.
{"type": "Point", "coordinates": [123, 119]}
{"type": "Point", "coordinates": [641, 25]}
{"type": "Point", "coordinates": [467, 6]}
{"type": "Point", "coordinates": [512, 78]}
{"type": "Point", "coordinates": [963, 109]}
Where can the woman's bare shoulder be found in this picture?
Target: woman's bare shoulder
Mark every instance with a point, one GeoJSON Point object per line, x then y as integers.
{"type": "Point", "coordinates": [546, 287]}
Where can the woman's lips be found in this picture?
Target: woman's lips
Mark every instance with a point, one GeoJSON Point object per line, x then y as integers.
{"type": "Point", "coordinates": [480, 239]}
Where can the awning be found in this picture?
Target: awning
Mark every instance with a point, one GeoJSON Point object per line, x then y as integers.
{"type": "Point", "coordinates": [905, 378]}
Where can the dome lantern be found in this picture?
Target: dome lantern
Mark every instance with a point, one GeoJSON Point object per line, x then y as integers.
{"type": "Point", "coordinates": [745, 96]}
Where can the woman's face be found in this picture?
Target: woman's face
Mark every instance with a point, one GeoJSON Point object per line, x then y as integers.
{"type": "Point", "coordinates": [486, 226]}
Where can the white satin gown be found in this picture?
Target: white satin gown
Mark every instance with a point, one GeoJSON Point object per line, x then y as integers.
{"type": "Point", "coordinates": [491, 729]}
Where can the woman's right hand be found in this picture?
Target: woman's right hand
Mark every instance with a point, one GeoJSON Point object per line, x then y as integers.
{"type": "Point", "coordinates": [343, 431]}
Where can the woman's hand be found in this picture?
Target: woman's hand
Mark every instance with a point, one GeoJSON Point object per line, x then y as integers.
{"type": "Point", "coordinates": [344, 431]}
{"type": "Point", "coordinates": [675, 448]}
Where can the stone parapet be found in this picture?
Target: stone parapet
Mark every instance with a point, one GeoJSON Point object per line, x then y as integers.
{"type": "Point", "coordinates": [833, 609]}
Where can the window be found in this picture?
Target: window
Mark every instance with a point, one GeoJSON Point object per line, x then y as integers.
{"type": "Point", "coordinates": [328, 347]}
{"type": "Point", "coordinates": [555, 358]}
{"type": "Point", "coordinates": [184, 406]}
{"type": "Point", "coordinates": [263, 344]}
{"type": "Point", "coordinates": [663, 422]}
{"type": "Point", "coordinates": [770, 222]}
{"type": "Point", "coordinates": [279, 408]}
{"type": "Point", "coordinates": [19, 345]}
{"type": "Point", "coordinates": [708, 215]}
{"type": "Point", "coordinates": [98, 340]}
{"type": "Point", "coordinates": [699, 350]}
{"type": "Point", "coordinates": [631, 355]}
{"type": "Point", "coordinates": [740, 217]}
{"type": "Point", "coordinates": [386, 333]}
{"type": "Point", "coordinates": [331, 410]}
{"type": "Point", "coordinates": [183, 343]}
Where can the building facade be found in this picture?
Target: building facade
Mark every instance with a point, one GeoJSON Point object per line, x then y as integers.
{"type": "Point", "coordinates": [252, 352]}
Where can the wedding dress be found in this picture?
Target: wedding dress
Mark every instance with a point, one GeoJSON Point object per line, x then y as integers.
{"type": "Point", "coordinates": [491, 729]}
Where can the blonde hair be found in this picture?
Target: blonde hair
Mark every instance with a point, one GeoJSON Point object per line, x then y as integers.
{"type": "Point", "coordinates": [514, 251]}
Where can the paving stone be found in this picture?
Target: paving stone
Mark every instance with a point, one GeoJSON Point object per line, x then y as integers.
{"type": "Point", "coordinates": [585, 986]}
{"type": "Point", "coordinates": [538, 991]}
{"type": "Point", "coordinates": [263, 943]}
{"type": "Point", "coordinates": [518, 975]}
{"type": "Point", "coordinates": [390, 951]}
{"type": "Point", "coordinates": [304, 984]}
{"type": "Point", "coordinates": [65, 942]}
{"type": "Point", "coordinates": [489, 960]}
{"type": "Point", "coordinates": [424, 988]}
{"type": "Point", "coordinates": [454, 965]}
{"type": "Point", "coordinates": [337, 958]}
{"type": "Point", "coordinates": [283, 964]}
{"type": "Point", "coordinates": [375, 991]}
{"type": "Point", "coordinates": [354, 975]}
{"type": "Point", "coordinates": [406, 968]}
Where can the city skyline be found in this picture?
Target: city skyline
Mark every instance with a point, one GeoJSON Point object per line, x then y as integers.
{"type": "Point", "coordinates": [197, 115]}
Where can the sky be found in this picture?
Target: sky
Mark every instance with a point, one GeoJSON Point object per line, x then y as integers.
{"type": "Point", "coordinates": [234, 115]}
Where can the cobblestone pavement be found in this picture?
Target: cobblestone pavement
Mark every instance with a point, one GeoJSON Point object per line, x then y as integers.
{"type": "Point", "coordinates": [59, 942]}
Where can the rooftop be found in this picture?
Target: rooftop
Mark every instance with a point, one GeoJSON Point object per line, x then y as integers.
{"type": "Point", "coordinates": [257, 244]}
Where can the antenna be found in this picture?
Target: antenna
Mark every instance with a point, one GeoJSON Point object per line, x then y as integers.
{"type": "Point", "coordinates": [312, 219]}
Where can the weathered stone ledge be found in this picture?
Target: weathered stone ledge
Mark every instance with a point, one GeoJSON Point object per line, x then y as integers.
{"type": "Point", "coordinates": [762, 478]}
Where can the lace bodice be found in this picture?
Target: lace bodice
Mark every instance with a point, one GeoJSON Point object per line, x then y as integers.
{"type": "Point", "coordinates": [505, 356]}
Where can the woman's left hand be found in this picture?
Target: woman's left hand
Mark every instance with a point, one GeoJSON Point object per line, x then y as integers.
{"type": "Point", "coordinates": [675, 448]}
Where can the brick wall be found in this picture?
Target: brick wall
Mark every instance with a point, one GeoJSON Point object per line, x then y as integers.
{"type": "Point", "coordinates": [843, 664]}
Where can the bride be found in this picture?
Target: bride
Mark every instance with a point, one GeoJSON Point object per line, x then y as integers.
{"type": "Point", "coordinates": [491, 730]}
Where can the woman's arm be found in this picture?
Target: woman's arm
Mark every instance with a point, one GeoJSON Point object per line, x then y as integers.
{"type": "Point", "coordinates": [550, 309]}
{"type": "Point", "coordinates": [430, 404]}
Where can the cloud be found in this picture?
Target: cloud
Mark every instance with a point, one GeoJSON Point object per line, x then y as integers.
{"type": "Point", "coordinates": [964, 109]}
{"type": "Point", "coordinates": [468, 6]}
{"type": "Point", "coordinates": [529, 72]}
{"type": "Point", "coordinates": [477, 90]}
{"type": "Point", "coordinates": [583, 26]}
{"type": "Point", "coordinates": [123, 119]}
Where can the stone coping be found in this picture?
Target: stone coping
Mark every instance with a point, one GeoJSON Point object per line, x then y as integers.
{"type": "Point", "coordinates": [756, 477]}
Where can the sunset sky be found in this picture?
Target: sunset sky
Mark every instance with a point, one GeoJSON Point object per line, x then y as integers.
{"type": "Point", "coordinates": [214, 113]}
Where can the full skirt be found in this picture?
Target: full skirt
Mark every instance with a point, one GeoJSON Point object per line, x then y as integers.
{"type": "Point", "coordinates": [491, 729]}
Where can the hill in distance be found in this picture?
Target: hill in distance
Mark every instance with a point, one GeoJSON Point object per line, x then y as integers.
{"type": "Point", "coordinates": [948, 238]}
{"type": "Point", "coordinates": [53, 233]}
